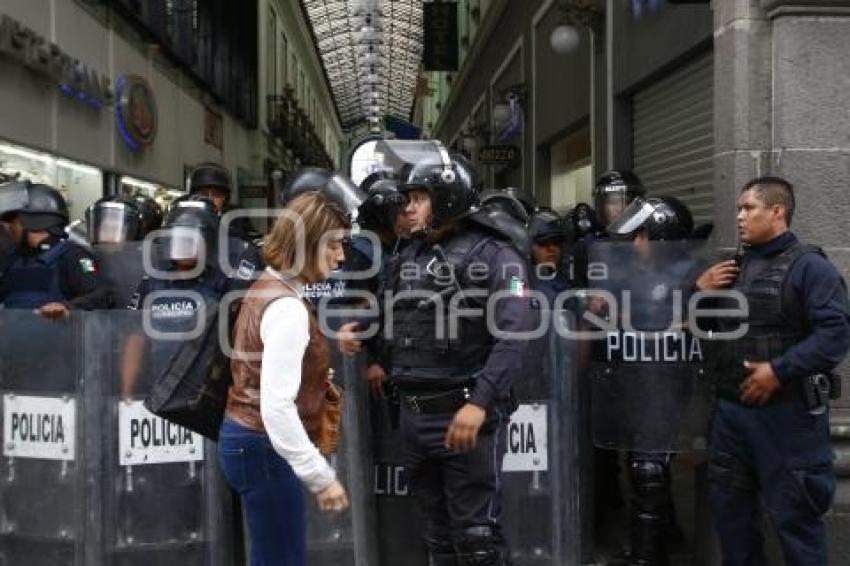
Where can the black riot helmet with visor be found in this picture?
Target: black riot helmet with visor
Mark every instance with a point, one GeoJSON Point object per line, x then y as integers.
{"type": "Point", "coordinates": [450, 180]}
{"type": "Point", "coordinates": [210, 176]}
{"type": "Point", "coordinates": [43, 207]}
{"type": "Point", "coordinates": [661, 218]}
{"type": "Point", "coordinates": [336, 187]}
{"type": "Point", "coordinates": [382, 204]}
{"type": "Point", "coordinates": [113, 220]}
{"type": "Point", "coordinates": [152, 215]}
{"type": "Point", "coordinates": [613, 192]}
{"type": "Point", "coordinates": [508, 201]}
{"type": "Point", "coordinates": [190, 232]}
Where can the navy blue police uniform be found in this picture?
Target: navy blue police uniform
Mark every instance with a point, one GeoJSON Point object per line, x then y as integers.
{"type": "Point", "coordinates": [798, 321]}
{"type": "Point", "coordinates": [437, 373]}
{"type": "Point", "coordinates": [56, 271]}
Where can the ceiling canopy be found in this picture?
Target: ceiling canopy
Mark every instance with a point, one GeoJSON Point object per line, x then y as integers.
{"type": "Point", "coordinates": [371, 51]}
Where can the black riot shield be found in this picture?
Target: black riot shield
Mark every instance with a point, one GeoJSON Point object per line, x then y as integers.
{"type": "Point", "coordinates": [649, 390]}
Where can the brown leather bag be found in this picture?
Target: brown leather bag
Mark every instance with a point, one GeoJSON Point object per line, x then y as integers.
{"type": "Point", "coordinates": [327, 435]}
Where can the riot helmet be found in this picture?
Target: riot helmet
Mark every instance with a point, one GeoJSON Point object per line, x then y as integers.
{"type": "Point", "coordinates": [583, 219]}
{"type": "Point", "coordinates": [335, 187]}
{"type": "Point", "coordinates": [547, 225]}
{"type": "Point", "coordinates": [210, 176]}
{"type": "Point", "coordinates": [527, 201]}
{"type": "Point", "coordinates": [382, 204]}
{"type": "Point", "coordinates": [190, 231]}
{"type": "Point", "coordinates": [662, 218]}
{"type": "Point", "coordinates": [507, 201]}
{"type": "Point", "coordinates": [45, 209]}
{"type": "Point", "coordinates": [113, 219]}
{"type": "Point", "coordinates": [152, 215]}
{"type": "Point", "coordinates": [613, 192]}
{"type": "Point", "coordinates": [450, 180]}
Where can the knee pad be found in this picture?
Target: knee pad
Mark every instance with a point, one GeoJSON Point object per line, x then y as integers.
{"type": "Point", "coordinates": [650, 484]}
{"type": "Point", "coordinates": [480, 546]}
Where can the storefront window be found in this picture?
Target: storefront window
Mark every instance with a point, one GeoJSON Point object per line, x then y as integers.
{"type": "Point", "coordinates": [80, 184]}
{"type": "Point", "coordinates": [162, 194]}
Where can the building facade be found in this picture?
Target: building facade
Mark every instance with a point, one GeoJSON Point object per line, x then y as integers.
{"type": "Point", "coordinates": [696, 97]}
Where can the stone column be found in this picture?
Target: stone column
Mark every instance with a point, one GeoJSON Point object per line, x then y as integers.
{"type": "Point", "coordinates": [782, 107]}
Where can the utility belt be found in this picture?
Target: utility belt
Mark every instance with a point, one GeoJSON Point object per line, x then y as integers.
{"type": "Point", "coordinates": [430, 403]}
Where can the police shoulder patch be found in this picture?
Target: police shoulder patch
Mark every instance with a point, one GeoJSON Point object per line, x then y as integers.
{"type": "Point", "coordinates": [517, 287]}
{"type": "Point", "coordinates": [87, 265]}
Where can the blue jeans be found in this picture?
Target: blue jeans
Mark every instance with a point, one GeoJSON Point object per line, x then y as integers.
{"type": "Point", "coordinates": [781, 454]}
{"type": "Point", "coordinates": [272, 496]}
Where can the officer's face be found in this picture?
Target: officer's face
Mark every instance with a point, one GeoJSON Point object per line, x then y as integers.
{"type": "Point", "coordinates": [331, 256]}
{"type": "Point", "coordinates": [547, 253]}
{"type": "Point", "coordinates": [418, 210]}
{"type": "Point", "coordinates": [758, 223]}
{"type": "Point", "coordinates": [216, 195]}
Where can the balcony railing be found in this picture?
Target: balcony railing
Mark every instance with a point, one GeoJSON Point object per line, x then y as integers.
{"type": "Point", "coordinates": [289, 123]}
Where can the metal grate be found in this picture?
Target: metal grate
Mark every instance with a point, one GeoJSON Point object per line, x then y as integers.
{"type": "Point", "coordinates": [673, 135]}
{"type": "Point", "coordinates": [371, 51]}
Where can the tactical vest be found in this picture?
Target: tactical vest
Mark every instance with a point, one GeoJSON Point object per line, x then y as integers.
{"type": "Point", "coordinates": [775, 322]}
{"type": "Point", "coordinates": [32, 281]}
{"type": "Point", "coordinates": [425, 282]}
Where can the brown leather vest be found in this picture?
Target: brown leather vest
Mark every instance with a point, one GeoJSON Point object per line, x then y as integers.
{"type": "Point", "coordinates": [243, 398]}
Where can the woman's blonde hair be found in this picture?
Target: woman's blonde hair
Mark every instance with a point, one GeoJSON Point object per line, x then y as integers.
{"type": "Point", "coordinates": [302, 223]}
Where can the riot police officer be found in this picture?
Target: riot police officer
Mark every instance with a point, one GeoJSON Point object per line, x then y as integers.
{"type": "Point", "coordinates": [455, 389]}
{"type": "Point", "coordinates": [187, 276]}
{"type": "Point", "coordinates": [45, 271]}
{"type": "Point", "coordinates": [770, 438]}
{"type": "Point", "coordinates": [549, 233]}
{"type": "Point", "coordinates": [613, 192]}
{"type": "Point", "coordinates": [651, 276]}
{"type": "Point", "coordinates": [212, 181]}
{"type": "Point", "coordinates": [584, 221]}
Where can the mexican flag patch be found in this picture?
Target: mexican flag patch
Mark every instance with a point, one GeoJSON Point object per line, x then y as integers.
{"type": "Point", "coordinates": [87, 265]}
{"type": "Point", "coordinates": [517, 286]}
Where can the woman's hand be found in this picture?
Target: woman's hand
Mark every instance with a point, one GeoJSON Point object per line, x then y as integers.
{"type": "Point", "coordinates": [333, 498]}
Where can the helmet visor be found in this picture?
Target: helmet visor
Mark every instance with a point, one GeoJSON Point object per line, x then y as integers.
{"type": "Point", "coordinates": [632, 218]}
{"type": "Point", "coordinates": [343, 191]}
{"type": "Point", "coordinates": [414, 162]}
{"type": "Point", "coordinates": [112, 223]}
{"type": "Point", "coordinates": [183, 243]}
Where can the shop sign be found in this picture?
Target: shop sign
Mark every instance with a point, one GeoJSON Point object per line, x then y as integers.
{"type": "Point", "coordinates": [498, 154]}
{"type": "Point", "coordinates": [440, 24]}
{"type": "Point", "coordinates": [135, 111]}
{"type": "Point", "coordinates": [75, 78]}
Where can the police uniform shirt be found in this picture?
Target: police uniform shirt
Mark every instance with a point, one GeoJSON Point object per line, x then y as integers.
{"type": "Point", "coordinates": [80, 280]}
{"type": "Point", "coordinates": [816, 285]}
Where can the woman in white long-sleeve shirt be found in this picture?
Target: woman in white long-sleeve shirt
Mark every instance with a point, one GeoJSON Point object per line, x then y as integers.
{"type": "Point", "coordinates": [280, 367]}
